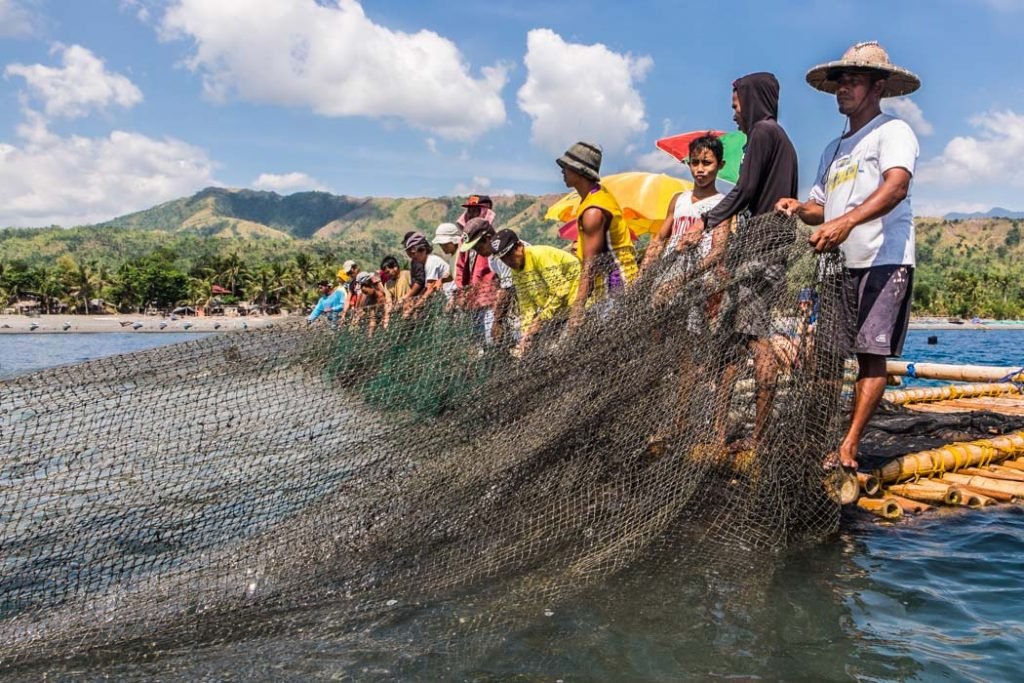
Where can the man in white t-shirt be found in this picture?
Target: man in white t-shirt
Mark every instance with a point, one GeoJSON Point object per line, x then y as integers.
{"type": "Point", "coordinates": [436, 269]}
{"type": "Point", "coordinates": [861, 203]}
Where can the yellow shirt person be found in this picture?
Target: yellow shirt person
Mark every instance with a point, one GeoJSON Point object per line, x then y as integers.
{"type": "Point", "coordinates": [545, 279]}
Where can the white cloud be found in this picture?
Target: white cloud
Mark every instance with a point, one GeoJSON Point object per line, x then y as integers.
{"type": "Point", "coordinates": [482, 185]}
{"type": "Point", "coordinates": [658, 162]}
{"type": "Point", "coordinates": [940, 207]}
{"type": "Point", "coordinates": [993, 157]}
{"type": "Point", "coordinates": [336, 61]}
{"type": "Point", "coordinates": [81, 85]}
{"type": "Point", "coordinates": [581, 92]}
{"type": "Point", "coordinates": [906, 109]}
{"type": "Point", "coordinates": [432, 145]}
{"type": "Point", "coordinates": [48, 179]}
{"type": "Point", "coordinates": [16, 20]}
{"type": "Point", "coordinates": [287, 182]}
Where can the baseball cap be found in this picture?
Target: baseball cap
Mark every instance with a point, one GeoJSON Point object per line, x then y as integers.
{"type": "Point", "coordinates": [364, 277]}
{"type": "Point", "coordinates": [447, 233]}
{"type": "Point", "coordinates": [347, 266]}
{"type": "Point", "coordinates": [343, 274]}
{"type": "Point", "coordinates": [504, 242]}
{"type": "Point", "coordinates": [476, 230]}
{"type": "Point", "coordinates": [478, 200]}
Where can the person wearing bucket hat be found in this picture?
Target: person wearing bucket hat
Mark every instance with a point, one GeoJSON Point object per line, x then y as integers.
{"type": "Point", "coordinates": [603, 242]}
{"type": "Point", "coordinates": [860, 202]}
{"type": "Point", "coordinates": [545, 278]}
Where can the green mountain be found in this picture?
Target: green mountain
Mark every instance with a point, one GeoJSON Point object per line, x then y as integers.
{"type": "Point", "coordinates": [220, 212]}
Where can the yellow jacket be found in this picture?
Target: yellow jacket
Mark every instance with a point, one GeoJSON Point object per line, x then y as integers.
{"type": "Point", "coordinates": [547, 284]}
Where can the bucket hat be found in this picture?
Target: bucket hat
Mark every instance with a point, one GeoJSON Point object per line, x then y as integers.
{"type": "Point", "coordinates": [864, 56]}
{"type": "Point", "coordinates": [584, 158]}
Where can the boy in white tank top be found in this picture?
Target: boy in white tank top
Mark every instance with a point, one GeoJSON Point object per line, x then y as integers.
{"type": "Point", "coordinates": [681, 233]}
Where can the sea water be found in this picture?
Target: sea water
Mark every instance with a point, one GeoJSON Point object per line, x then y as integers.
{"type": "Point", "coordinates": [936, 597]}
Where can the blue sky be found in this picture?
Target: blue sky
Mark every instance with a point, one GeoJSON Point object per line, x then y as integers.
{"type": "Point", "coordinates": [110, 106]}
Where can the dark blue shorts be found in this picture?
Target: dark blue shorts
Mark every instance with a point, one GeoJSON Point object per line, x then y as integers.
{"type": "Point", "coordinates": [883, 296]}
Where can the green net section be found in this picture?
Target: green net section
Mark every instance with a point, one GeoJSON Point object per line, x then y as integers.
{"type": "Point", "coordinates": [226, 504]}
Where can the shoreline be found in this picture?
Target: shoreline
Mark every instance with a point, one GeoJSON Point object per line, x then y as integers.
{"type": "Point", "coordinates": [142, 324]}
{"type": "Point", "coordinates": [136, 324]}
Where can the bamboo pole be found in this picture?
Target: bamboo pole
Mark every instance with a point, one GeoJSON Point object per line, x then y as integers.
{"type": "Point", "coordinates": [949, 392]}
{"type": "Point", "coordinates": [1017, 465]}
{"type": "Point", "coordinates": [972, 499]}
{"type": "Point", "coordinates": [956, 373]}
{"type": "Point", "coordinates": [995, 472]}
{"type": "Point", "coordinates": [868, 483]}
{"type": "Point", "coordinates": [999, 496]}
{"type": "Point", "coordinates": [951, 458]}
{"type": "Point", "coordinates": [1012, 487]}
{"type": "Point", "coordinates": [944, 495]}
{"type": "Point", "coordinates": [910, 507]}
{"type": "Point", "coordinates": [883, 507]}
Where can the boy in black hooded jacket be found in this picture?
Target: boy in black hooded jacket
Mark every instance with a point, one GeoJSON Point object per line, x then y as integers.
{"type": "Point", "coordinates": [767, 174]}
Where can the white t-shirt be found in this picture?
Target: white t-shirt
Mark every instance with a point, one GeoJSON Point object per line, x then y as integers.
{"type": "Point", "coordinates": [686, 214]}
{"type": "Point", "coordinates": [854, 172]}
{"type": "Point", "coordinates": [436, 268]}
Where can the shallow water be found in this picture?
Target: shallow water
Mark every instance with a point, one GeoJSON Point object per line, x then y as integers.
{"type": "Point", "coordinates": [26, 352]}
{"type": "Point", "coordinates": [931, 598]}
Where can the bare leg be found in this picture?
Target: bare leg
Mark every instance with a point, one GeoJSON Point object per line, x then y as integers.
{"type": "Point", "coordinates": [866, 397]}
{"type": "Point", "coordinates": [726, 380]}
{"type": "Point", "coordinates": [765, 375]}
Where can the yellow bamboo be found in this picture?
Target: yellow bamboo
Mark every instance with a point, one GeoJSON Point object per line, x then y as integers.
{"type": "Point", "coordinates": [868, 483]}
{"type": "Point", "coordinates": [995, 472]}
{"type": "Point", "coordinates": [956, 373]}
{"type": "Point", "coordinates": [1012, 487]}
{"type": "Point", "coordinates": [1017, 465]}
{"type": "Point", "coordinates": [972, 499]}
{"type": "Point", "coordinates": [944, 495]}
{"type": "Point", "coordinates": [911, 507]}
{"type": "Point", "coordinates": [883, 507]}
{"type": "Point", "coordinates": [998, 496]}
{"type": "Point", "coordinates": [949, 392]}
{"type": "Point", "coordinates": [951, 458]}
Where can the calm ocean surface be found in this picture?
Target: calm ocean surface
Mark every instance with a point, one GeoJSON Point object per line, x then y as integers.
{"type": "Point", "coordinates": [935, 598]}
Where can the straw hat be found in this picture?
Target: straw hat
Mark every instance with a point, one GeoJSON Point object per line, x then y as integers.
{"type": "Point", "coordinates": [867, 55]}
{"type": "Point", "coordinates": [584, 158]}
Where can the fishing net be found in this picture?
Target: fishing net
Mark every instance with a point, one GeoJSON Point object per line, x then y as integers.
{"type": "Point", "coordinates": [302, 501]}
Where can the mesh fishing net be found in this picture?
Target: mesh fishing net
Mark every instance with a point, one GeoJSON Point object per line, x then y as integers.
{"type": "Point", "coordinates": [302, 501]}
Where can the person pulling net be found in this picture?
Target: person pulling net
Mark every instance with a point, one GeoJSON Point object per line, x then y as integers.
{"type": "Point", "coordinates": [304, 485]}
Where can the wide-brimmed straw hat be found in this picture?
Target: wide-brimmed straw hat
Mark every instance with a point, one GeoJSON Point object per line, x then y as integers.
{"type": "Point", "coordinates": [865, 56]}
{"type": "Point", "coordinates": [584, 158]}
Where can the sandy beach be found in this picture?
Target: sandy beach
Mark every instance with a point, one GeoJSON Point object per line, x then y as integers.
{"type": "Point", "coordinates": [59, 324]}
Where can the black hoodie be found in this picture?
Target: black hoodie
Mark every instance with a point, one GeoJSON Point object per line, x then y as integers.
{"type": "Point", "coordinates": [769, 171]}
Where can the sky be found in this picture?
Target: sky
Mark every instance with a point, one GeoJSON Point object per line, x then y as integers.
{"type": "Point", "coordinates": [112, 106]}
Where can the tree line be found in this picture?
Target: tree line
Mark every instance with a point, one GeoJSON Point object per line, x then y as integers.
{"type": "Point", "coordinates": [131, 270]}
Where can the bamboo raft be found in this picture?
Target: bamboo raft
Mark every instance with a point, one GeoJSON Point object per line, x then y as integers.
{"type": "Point", "coordinates": [974, 474]}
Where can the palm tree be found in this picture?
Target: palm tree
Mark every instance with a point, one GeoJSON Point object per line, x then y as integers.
{"type": "Point", "coordinates": [232, 269]}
